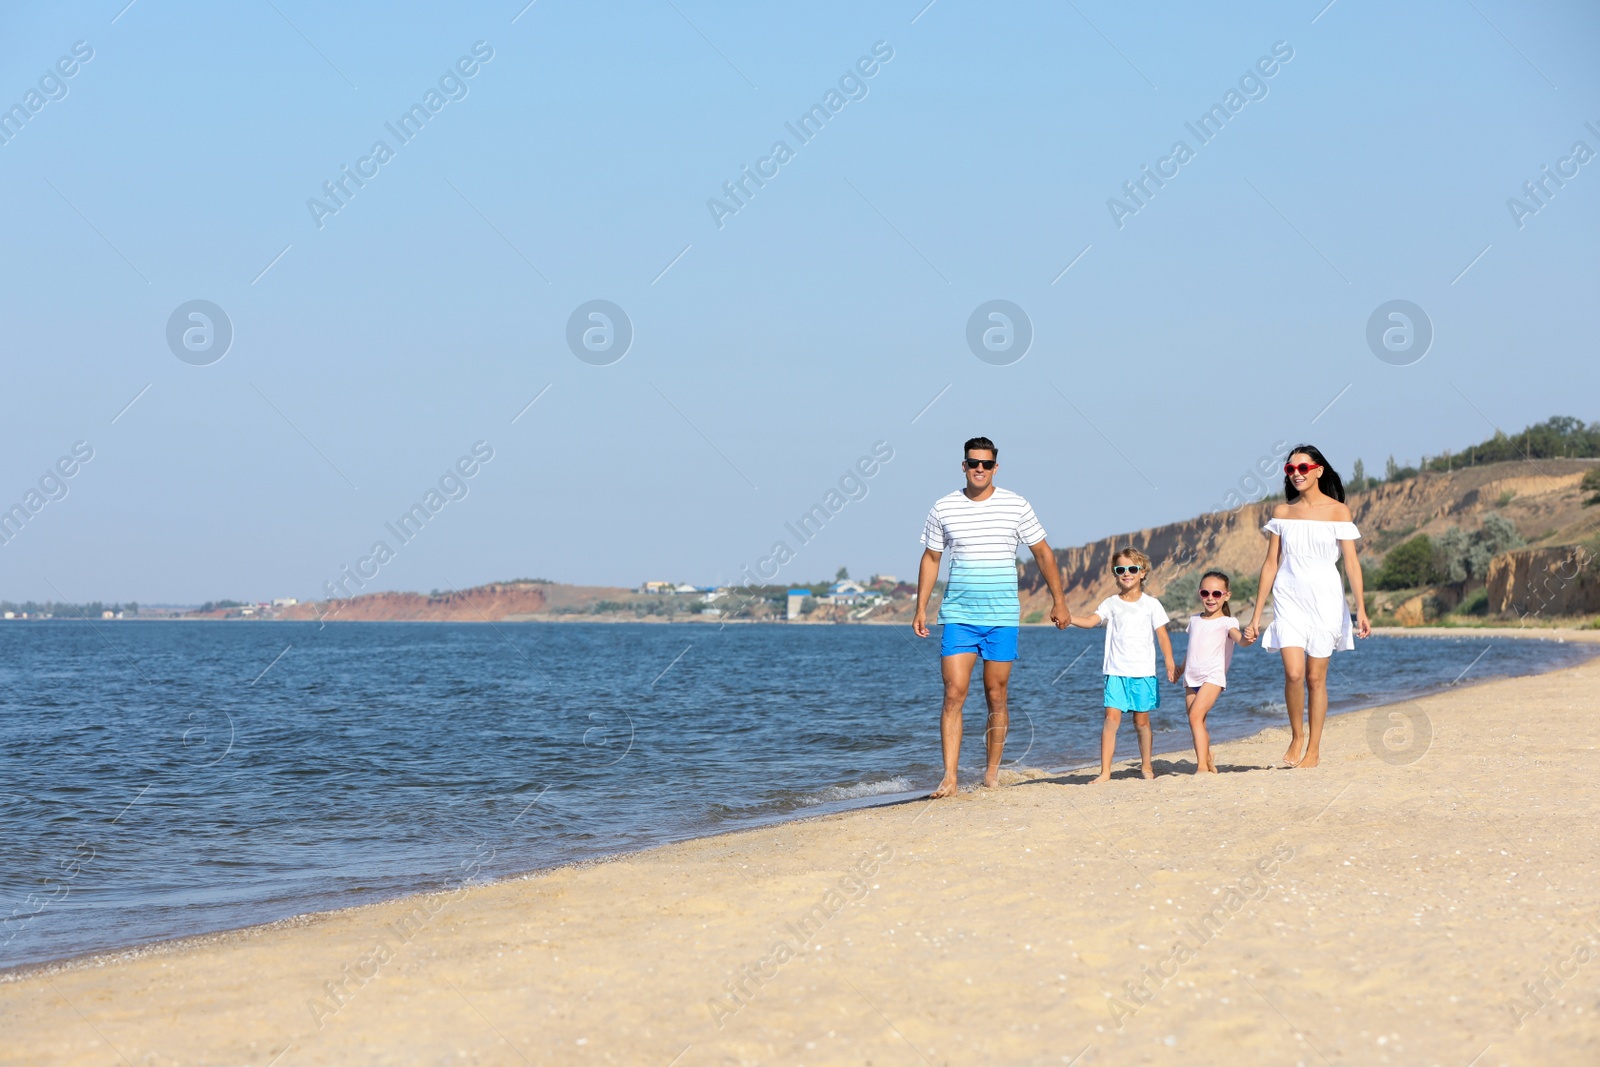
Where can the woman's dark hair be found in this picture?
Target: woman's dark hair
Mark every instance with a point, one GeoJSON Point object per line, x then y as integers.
{"type": "Point", "coordinates": [1225, 584]}
{"type": "Point", "coordinates": [1328, 479]}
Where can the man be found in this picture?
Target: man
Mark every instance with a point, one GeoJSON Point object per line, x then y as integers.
{"type": "Point", "coordinates": [981, 527]}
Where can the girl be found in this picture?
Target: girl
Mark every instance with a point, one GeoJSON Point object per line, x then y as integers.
{"type": "Point", "coordinates": [1134, 623]}
{"type": "Point", "coordinates": [1309, 534]}
{"type": "Point", "coordinates": [1212, 635]}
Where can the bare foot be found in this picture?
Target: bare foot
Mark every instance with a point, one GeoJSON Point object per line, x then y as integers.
{"type": "Point", "coordinates": [947, 788]}
{"type": "Point", "coordinates": [1309, 760]}
{"type": "Point", "coordinates": [1147, 771]}
{"type": "Point", "coordinates": [1105, 776]}
{"type": "Point", "coordinates": [991, 780]}
{"type": "Point", "coordinates": [1293, 757]}
{"type": "Point", "coordinates": [1211, 764]}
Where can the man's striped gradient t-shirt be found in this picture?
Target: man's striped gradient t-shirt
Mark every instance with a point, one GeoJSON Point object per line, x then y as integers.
{"type": "Point", "coordinates": [981, 538]}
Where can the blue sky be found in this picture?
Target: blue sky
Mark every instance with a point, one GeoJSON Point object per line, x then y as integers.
{"type": "Point", "coordinates": [768, 354]}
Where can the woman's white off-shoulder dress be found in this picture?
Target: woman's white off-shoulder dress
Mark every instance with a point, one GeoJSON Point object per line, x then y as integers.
{"type": "Point", "coordinates": [1308, 605]}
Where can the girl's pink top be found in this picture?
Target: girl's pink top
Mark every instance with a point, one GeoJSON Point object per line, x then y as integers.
{"type": "Point", "coordinates": [1210, 651]}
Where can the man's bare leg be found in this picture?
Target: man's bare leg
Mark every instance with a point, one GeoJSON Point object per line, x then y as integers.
{"type": "Point", "coordinates": [1141, 726]}
{"type": "Point", "coordinates": [957, 672]}
{"type": "Point", "coordinates": [1317, 691]}
{"type": "Point", "coordinates": [1108, 744]}
{"type": "Point", "coordinates": [996, 677]}
{"type": "Point", "coordinates": [1294, 695]}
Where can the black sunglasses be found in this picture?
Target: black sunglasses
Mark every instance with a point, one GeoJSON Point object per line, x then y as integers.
{"type": "Point", "coordinates": [974, 464]}
{"type": "Point", "coordinates": [1132, 568]}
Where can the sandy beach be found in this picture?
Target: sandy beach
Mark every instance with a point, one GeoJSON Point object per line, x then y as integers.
{"type": "Point", "coordinates": [1430, 894]}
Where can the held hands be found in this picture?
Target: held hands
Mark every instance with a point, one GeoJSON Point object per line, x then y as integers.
{"type": "Point", "coordinates": [1060, 615]}
{"type": "Point", "coordinates": [1252, 631]}
{"type": "Point", "coordinates": [1172, 672]}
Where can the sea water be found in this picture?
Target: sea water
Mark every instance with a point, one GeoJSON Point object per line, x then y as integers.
{"type": "Point", "coordinates": [159, 779]}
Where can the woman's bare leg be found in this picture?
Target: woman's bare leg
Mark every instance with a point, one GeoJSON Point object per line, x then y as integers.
{"type": "Point", "coordinates": [1294, 695]}
{"type": "Point", "coordinates": [1108, 743]}
{"type": "Point", "coordinates": [1317, 691]}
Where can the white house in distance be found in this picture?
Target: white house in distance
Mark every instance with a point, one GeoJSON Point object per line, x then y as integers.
{"type": "Point", "coordinates": [850, 593]}
{"type": "Point", "coordinates": [797, 597]}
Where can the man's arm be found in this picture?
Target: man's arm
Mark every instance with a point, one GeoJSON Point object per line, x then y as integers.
{"type": "Point", "coordinates": [927, 574]}
{"type": "Point", "coordinates": [1051, 571]}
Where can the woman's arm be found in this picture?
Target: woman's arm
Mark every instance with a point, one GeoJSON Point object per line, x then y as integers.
{"type": "Point", "coordinates": [1269, 572]}
{"type": "Point", "coordinates": [1352, 571]}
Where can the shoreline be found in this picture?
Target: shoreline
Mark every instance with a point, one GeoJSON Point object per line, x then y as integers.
{"type": "Point", "coordinates": [1021, 924]}
{"type": "Point", "coordinates": [1011, 776]}
{"type": "Point", "coordinates": [1562, 625]}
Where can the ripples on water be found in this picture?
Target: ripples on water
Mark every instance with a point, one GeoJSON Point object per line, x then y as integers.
{"type": "Point", "coordinates": [155, 782]}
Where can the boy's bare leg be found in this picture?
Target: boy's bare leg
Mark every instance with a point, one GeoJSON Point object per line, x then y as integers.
{"type": "Point", "coordinates": [957, 672]}
{"type": "Point", "coordinates": [996, 677]}
{"type": "Point", "coordinates": [1141, 726]}
{"type": "Point", "coordinates": [1317, 690]}
{"type": "Point", "coordinates": [1294, 695]}
{"type": "Point", "coordinates": [1108, 743]}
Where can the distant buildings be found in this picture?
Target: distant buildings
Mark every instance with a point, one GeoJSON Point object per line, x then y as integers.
{"type": "Point", "coordinates": [852, 594]}
{"type": "Point", "coordinates": [797, 599]}
{"type": "Point", "coordinates": [679, 589]}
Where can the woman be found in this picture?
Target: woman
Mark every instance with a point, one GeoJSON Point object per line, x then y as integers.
{"type": "Point", "coordinates": [1309, 531]}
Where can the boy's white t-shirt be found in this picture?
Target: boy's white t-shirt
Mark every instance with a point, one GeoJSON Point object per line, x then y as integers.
{"type": "Point", "coordinates": [1131, 634]}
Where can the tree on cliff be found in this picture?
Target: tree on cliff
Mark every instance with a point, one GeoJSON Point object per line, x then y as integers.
{"type": "Point", "coordinates": [1461, 555]}
{"type": "Point", "coordinates": [1408, 565]}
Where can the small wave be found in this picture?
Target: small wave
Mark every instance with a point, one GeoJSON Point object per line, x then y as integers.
{"type": "Point", "coordinates": [835, 793]}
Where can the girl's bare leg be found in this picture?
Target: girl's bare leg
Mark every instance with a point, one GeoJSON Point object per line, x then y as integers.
{"type": "Point", "coordinates": [1317, 690]}
{"type": "Point", "coordinates": [1200, 701]}
{"type": "Point", "coordinates": [1108, 743]}
{"type": "Point", "coordinates": [1294, 695]}
{"type": "Point", "coordinates": [1141, 725]}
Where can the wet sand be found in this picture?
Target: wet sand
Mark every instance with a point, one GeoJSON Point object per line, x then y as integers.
{"type": "Point", "coordinates": [1430, 894]}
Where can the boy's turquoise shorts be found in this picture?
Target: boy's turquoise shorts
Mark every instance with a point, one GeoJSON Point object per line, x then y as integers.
{"type": "Point", "coordinates": [1132, 694]}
